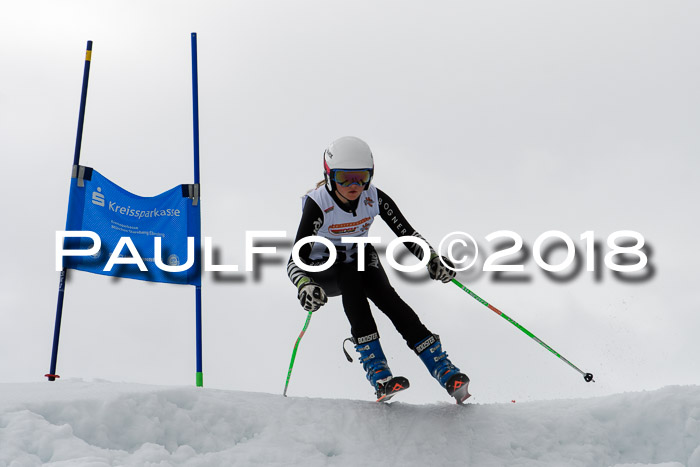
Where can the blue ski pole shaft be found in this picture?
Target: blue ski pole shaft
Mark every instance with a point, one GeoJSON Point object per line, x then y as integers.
{"type": "Point", "coordinates": [51, 375]}
{"type": "Point", "coordinates": [199, 378]}
{"type": "Point", "coordinates": [83, 102]}
{"type": "Point", "coordinates": [195, 107]}
{"type": "Point", "coordinates": [57, 326]}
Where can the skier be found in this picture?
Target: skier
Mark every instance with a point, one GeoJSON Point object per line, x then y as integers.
{"type": "Point", "coordinates": [344, 204]}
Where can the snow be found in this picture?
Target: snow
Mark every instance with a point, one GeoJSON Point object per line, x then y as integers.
{"type": "Point", "coordinates": [98, 423]}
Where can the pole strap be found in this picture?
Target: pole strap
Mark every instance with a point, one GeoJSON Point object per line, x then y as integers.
{"type": "Point", "coordinates": [82, 173]}
{"type": "Point", "coordinates": [191, 191]}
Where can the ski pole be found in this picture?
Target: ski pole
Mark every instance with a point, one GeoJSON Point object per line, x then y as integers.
{"type": "Point", "coordinates": [294, 353]}
{"type": "Point", "coordinates": [587, 376]}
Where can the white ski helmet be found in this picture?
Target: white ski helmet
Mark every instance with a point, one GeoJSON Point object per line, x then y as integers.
{"type": "Point", "coordinates": [347, 153]}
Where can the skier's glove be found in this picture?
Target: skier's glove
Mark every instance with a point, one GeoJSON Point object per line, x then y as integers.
{"type": "Point", "coordinates": [311, 295]}
{"type": "Point", "coordinates": [438, 271]}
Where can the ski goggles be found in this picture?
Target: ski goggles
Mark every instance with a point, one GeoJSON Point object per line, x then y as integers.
{"type": "Point", "coordinates": [352, 177]}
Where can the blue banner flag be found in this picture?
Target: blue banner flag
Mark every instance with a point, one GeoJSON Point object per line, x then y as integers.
{"type": "Point", "coordinates": [96, 204]}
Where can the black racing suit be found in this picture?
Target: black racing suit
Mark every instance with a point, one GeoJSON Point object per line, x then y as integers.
{"type": "Point", "coordinates": [355, 287]}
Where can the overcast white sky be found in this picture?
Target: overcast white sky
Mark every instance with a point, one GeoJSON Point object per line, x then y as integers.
{"type": "Point", "coordinates": [527, 116]}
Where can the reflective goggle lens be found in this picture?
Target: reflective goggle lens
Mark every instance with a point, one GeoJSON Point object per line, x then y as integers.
{"type": "Point", "coordinates": [352, 177]}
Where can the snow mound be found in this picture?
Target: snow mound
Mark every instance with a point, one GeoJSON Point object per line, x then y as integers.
{"type": "Point", "coordinates": [76, 423]}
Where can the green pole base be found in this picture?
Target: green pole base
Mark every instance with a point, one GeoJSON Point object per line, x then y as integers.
{"type": "Point", "coordinates": [200, 379]}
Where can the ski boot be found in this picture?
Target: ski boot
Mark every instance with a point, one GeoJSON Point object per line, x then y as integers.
{"type": "Point", "coordinates": [378, 373]}
{"type": "Point", "coordinates": [435, 359]}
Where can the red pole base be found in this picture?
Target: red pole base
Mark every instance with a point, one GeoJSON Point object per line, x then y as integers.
{"type": "Point", "coordinates": [52, 377]}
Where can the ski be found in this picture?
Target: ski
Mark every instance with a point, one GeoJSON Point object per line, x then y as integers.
{"type": "Point", "coordinates": [389, 388]}
{"type": "Point", "coordinates": [458, 387]}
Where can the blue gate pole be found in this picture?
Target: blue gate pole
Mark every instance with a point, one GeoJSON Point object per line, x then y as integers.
{"type": "Point", "coordinates": [76, 160]}
{"type": "Point", "coordinates": [198, 290]}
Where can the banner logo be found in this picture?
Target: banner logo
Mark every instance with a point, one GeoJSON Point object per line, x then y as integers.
{"type": "Point", "coordinates": [98, 198]}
